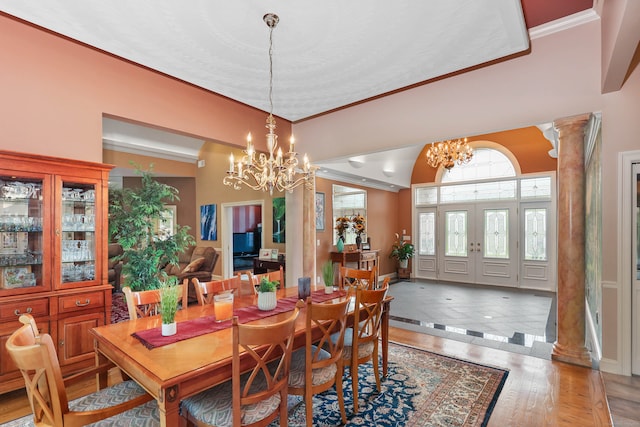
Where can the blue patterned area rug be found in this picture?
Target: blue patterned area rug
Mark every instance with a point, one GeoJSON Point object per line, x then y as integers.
{"type": "Point", "coordinates": [421, 389]}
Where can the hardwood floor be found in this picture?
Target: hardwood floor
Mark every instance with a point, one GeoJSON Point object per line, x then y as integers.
{"type": "Point", "coordinates": [537, 392]}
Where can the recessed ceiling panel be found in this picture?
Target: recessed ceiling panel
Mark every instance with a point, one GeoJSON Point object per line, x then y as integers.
{"type": "Point", "coordinates": [326, 54]}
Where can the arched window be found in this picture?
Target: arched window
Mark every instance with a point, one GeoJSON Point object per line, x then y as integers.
{"type": "Point", "coordinates": [486, 163]}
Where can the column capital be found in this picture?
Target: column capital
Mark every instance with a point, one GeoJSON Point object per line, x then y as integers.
{"type": "Point", "coordinates": [571, 122]}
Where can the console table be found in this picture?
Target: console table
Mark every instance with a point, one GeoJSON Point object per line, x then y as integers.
{"type": "Point", "coordinates": [264, 265]}
{"type": "Point", "coordinates": [365, 260]}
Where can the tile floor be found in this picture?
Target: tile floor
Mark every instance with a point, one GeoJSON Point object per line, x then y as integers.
{"type": "Point", "coordinates": [516, 320]}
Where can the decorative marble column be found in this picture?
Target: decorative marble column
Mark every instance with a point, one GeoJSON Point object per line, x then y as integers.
{"type": "Point", "coordinates": [309, 233]}
{"type": "Point", "coordinates": [570, 345]}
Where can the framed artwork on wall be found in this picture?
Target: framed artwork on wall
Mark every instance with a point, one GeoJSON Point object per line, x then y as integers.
{"type": "Point", "coordinates": [319, 211]}
{"type": "Point", "coordinates": [208, 222]}
{"type": "Point", "coordinates": [279, 220]}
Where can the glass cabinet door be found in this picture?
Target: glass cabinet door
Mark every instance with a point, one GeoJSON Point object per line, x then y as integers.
{"type": "Point", "coordinates": [21, 234]}
{"type": "Point", "coordinates": [78, 232]}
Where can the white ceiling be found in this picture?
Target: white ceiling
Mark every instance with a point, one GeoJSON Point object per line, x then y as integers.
{"type": "Point", "coordinates": [326, 55]}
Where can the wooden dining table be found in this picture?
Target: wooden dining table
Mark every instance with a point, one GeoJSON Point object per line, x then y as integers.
{"type": "Point", "coordinates": [178, 370]}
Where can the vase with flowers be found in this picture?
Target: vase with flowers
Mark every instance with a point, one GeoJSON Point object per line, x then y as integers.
{"type": "Point", "coordinates": [343, 224]}
{"type": "Point", "coordinates": [358, 223]}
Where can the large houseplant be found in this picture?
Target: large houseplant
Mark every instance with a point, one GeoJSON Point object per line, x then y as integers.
{"type": "Point", "coordinates": [132, 213]}
{"type": "Point", "coordinates": [402, 251]}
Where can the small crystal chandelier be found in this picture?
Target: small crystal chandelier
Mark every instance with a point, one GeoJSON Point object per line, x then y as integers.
{"type": "Point", "coordinates": [277, 170]}
{"type": "Point", "coordinates": [448, 153]}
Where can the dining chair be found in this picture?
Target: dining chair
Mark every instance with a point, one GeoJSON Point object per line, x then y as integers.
{"type": "Point", "coordinates": [258, 395]}
{"type": "Point", "coordinates": [319, 365]}
{"type": "Point", "coordinates": [147, 303]}
{"type": "Point", "coordinates": [350, 276]}
{"type": "Point", "coordinates": [361, 340]}
{"type": "Point", "coordinates": [206, 290]}
{"type": "Point", "coordinates": [277, 275]}
{"type": "Point", "coordinates": [35, 356]}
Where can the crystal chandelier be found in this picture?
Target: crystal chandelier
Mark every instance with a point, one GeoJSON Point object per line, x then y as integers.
{"type": "Point", "coordinates": [448, 153]}
{"type": "Point", "coordinates": [275, 170]}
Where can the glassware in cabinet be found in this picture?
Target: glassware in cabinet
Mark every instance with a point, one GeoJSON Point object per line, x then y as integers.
{"type": "Point", "coordinates": [21, 236]}
{"type": "Point", "coordinates": [78, 236]}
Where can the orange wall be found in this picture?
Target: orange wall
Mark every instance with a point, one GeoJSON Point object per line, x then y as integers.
{"type": "Point", "coordinates": [55, 93]}
{"type": "Point", "coordinates": [527, 144]}
{"type": "Point", "coordinates": [382, 223]}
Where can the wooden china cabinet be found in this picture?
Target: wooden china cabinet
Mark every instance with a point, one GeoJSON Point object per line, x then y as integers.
{"type": "Point", "coordinates": [53, 238]}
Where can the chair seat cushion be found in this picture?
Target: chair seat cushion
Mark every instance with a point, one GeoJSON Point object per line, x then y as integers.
{"type": "Point", "coordinates": [146, 415]}
{"type": "Point", "coordinates": [318, 376]}
{"type": "Point", "coordinates": [106, 397]}
{"type": "Point", "coordinates": [364, 350]}
{"type": "Point", "coordinates": [215, 405]}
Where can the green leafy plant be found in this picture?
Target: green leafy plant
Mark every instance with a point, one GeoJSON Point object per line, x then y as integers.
{"type": "Point", "coordinates": [401, 250]}
{"type": "Point", "coordinates": [132, 214]}
{"type": "Point", "coordinates": [328, 273]}
{"type": "Point", "coordinates": [267, 285]}
{"type": "Point", "coordinates": [169, 295]}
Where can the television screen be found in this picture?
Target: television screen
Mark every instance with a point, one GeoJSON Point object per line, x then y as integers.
{"type": "Point", "coordinates": [243, 243]}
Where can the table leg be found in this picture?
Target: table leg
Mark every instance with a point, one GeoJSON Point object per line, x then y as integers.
{"type": "Point", "coordinates": [169, 405]}
{"type": "Point", "coordinates": [386, 306]}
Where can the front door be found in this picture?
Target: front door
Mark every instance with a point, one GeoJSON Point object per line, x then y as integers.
{"type": "Point", "coordinates": [478, 243]}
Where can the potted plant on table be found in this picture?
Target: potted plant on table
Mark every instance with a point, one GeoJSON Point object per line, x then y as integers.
{"type": "Point", "coordinates": [328, 275]}
{"type": "Point", "coordinates": [402, 251]}
{"type": "Point", "coordinates": [267, 294]}
{"type": "Point", "coordinates": [169, 296]}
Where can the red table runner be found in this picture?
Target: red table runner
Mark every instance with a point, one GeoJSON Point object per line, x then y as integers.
{"type": "Point", "coordinates": [152, 338]}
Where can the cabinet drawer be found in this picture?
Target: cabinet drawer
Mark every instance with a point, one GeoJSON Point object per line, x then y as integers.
{"type": "Point", "coordinates": [35, 307]}
{"type": "Point", "coordinates": [70, 303]}
{"type": "Point", "coordinates": [368, 256]}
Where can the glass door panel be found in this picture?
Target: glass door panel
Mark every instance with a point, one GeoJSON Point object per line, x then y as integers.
{"type": "Point", "coordinates": [21, 235]}
{"type": "Point", "coordinates": [78, 236]}
{"type": "Point", "coordinates": [456, 224]}
{"type": "Point", "coordinates": [496, 233]}
{"type": "Point", "coordinates": [425, 261]}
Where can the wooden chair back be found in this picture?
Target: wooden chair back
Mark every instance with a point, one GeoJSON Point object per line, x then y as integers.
{"type": "Point", "coordinates": [330, 321]}
{"type": "Point", "coordinates": [351, 276]}
{"type": "Point", "coordinates": [271, 275]}
{"type": "Point", "coordinates": [269, 349]}
{"type": "Point", "coordinates": [365, 332]}
{"type": "Point", "coordinates": [206, 290]}
{"type": "Point", "coordinates": [147, 303]}
{"type": "Point", "coordinates": [35, 356]}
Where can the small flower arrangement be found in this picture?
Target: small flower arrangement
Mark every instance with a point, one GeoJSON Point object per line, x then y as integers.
{"type": "Point", "coordinates": [358, 224]}
{"type": "Point", "coordinates": [343, 224]}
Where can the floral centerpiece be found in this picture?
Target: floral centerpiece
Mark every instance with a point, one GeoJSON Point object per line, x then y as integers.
{"type": "Point", "coordinates": [343, 224]}
{"type": "Point", "coordinates": [358, 226]}
{"type": "Point", "coordinates": [402, 251]}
